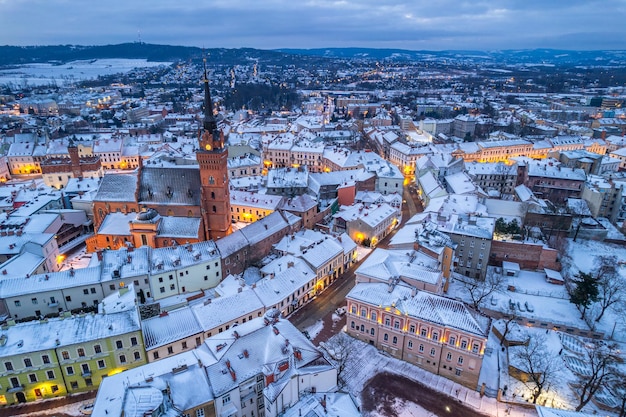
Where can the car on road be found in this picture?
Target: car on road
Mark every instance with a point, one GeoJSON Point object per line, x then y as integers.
{"type": "Point", "coordinates": [86, 409]}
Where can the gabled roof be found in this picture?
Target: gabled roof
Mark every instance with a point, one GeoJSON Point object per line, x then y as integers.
{"type": "Point", "coordinates": [170, 185]}
{"type": "Point", "coordinates": [117, 187]}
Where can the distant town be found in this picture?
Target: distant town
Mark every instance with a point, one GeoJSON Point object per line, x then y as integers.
{"type": "Point", "coordinates": [312, 233]}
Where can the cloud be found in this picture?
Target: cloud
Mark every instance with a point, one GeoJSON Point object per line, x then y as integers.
{"type": "Point", "coordinates": [267, 24]}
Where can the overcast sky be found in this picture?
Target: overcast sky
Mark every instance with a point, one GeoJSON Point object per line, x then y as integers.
{"type": "Point", "coordinates": [270, 24]}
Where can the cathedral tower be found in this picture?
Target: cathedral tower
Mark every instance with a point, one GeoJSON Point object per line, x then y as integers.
{"type": "Point", "coordinates": [212, 158]}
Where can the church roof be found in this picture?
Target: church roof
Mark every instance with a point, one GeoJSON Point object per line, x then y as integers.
{"type": "Point", "coordinates": [117, 187]}
{"type": "Point", "coordinates": [170, 185]}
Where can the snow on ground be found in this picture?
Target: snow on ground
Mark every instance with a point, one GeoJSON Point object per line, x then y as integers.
{"type": "Point", "coordinates": [364, 361]}
{"type": "Point", "coordinates": [45, 74]}
{"type": "Point", "coordinates": [70, 410]}
{"type": "Point", "coordinates": [581, 256]}
{"type": "Point", "coordinates": [362, 252]}
{"type": "Point", "coordinates": [405, 410]}
{"type": "Point", "coordinates": [315, 329]}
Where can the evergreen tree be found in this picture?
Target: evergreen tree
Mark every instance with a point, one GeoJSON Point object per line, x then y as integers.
{"type": "Point", "coordinates": [585, 292]}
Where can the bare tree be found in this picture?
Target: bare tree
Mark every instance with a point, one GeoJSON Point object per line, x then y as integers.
{"type": "Point", "coordinates": [600, 361]}
{"type": "Point", "coordinates": [339, 347]}
{"type": "Point", "coordinates": [539, 364]}
{"type": "Point", "coordinates": [617, 387]}
{"type": "Point", "coordinates": [508, 325]}
{"type": "Point", "coordinates": [610, 285]}
{"type": "Point", "coordinates": [479, 290]}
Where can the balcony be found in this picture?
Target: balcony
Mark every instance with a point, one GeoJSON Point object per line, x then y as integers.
{"type": "Point", "coordinates": [86, 374]}
{"type": "Point", "coordinates": [18, 388]}
{"type": "Point", "coordinates": [52, 305]}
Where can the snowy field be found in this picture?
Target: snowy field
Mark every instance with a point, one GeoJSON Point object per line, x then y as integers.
{"type": "Point", "coordinates": [50, 74]}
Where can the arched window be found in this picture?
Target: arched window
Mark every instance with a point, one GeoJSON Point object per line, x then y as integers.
{"type": "Point", "coordinates": [386, 337]}
{"type": "Point", "coordinates": [214, 209]}
{"type": "Point", "coordinates": [372, 331]}
{"type": "Point", "coordinates": [395, 340]}
{"type": "Point", "coordinates": [212, 195]}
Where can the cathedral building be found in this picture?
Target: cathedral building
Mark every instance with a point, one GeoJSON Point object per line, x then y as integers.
{"type": "Point", "coordinates": [164, 206]}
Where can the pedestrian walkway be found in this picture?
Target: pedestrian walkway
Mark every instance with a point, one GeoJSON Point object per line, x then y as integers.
{"type": "Point", "coordinates": [42, 408]}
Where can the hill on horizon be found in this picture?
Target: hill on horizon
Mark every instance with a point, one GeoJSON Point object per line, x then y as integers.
{"type": "Point", "coordinates": [17, 55]}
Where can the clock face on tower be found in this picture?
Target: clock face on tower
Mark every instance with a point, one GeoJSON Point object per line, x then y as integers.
{"type": "Point", "coordinates": [207, 147]}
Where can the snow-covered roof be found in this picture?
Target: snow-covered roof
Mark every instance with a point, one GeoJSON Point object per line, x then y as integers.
{"type": "Point", "coordinates": [34, 336]}
{"type": "Point", "coordinates": [422, 305]}
{"type": "Point", "coordinates": [411, 267]}
{"type": "Point", "coordinates": [117, 187]}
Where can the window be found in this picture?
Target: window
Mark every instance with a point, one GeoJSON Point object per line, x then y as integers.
{"type": "Point", "coordinates": [17, 303]}
{"type": "Point", "coordinates": [27, 362]}
{"type": "Point", "coordinates": [396, 324]}
{"type": "Point", "coordinates": [421, 349]}
{"type": "Point", "coordinates": [432, 352]}
{"type": "Point", "coordinates": [33, 300]}
{"type": "Point", "coordinates": [172, 287]}
{"type": "Point", "coordinates": [8, 366]}
{"type": "Point", "coordinates": [200, 412]}
{"type": "Point", "coordinates": [112, 287]}
{"type": "Point", "coordinates": [118, 344]}
{"type": "Point", "coordinates": [386, 337]}
{"type": "Point", "coordinates": [133, 341]}
{"type": "Point", "coordinates": [475, 347]}
{"type": "Point", "coordinates": [452, 341]}
{"type": "Point", "coordinates": [88, 382]}
{"type": "Point", "coordinates": [463, 344]}
{"type": "Point", "coordinates": [155, 355]}
{"type": "Point", "coordinates": [81, 352]}
{"type": "Point", "coordinates": [226, 399]}
{"type": "Point", "coordinates": [97, 349]}
{"type": "Point", "coordinates": [423, 332]}
{"type": "Point", "coordinates": [457, 372]}
{"type": "Point", "coordinates": [69, 370]}
{"type": "Point", "coordinates": [101, 364]}
{"type": "Point", "coordinates": [45, 358]}
{"type": "Point", "coordinates": [170, 350]}
{"type": "Point", "coordinates": [137, 355]}
{"type": "Point", "coordinates": [32, 377]}
{"type": "Point", "coordinates": [387, 322]}
{"type": "Point", "coordinates": [395, 340]}
{"type": "Point", "coordinates": [122, 358]}
{"type": "Point", "coordinates": [372, 331]}
{"type": "Point", "coordinates": [50, 374]}
{"type": "Point", "coordinates": [460, 361]}
{"type": "Point", "coordinates": [65, 354]}
{"type": "Point", "coordinates": [85, 291]}
{"type": "Point", "coordinates": [412, 328]}
{"type": "Point", "coordinates": [68, 298]}
{"type": "Point", "coordinates": [449, 357]}
{"type": "Point", "coordinates": [185, 344]}
{"type": "Point", "coordinates": [162, 289]}
{"type": "Point", "coordinates": [435, 336]}
{"type": "Point", "coordinates": [352, 325]}
{"type": "Point", "coordinates": [85, 368]}
{"type": "Point", "coordinates": [74, 384]}
{"type": "Point", "coordinates": [374, 315]}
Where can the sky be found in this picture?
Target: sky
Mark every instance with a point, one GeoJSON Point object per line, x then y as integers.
{"type": "Point", "coordinates": [273, 24]}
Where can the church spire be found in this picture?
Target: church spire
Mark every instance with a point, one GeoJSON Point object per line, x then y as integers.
{"type": "Point", "coordinates": [210, 125]}
{"type": "Point", "coordinates": [210, 137]}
